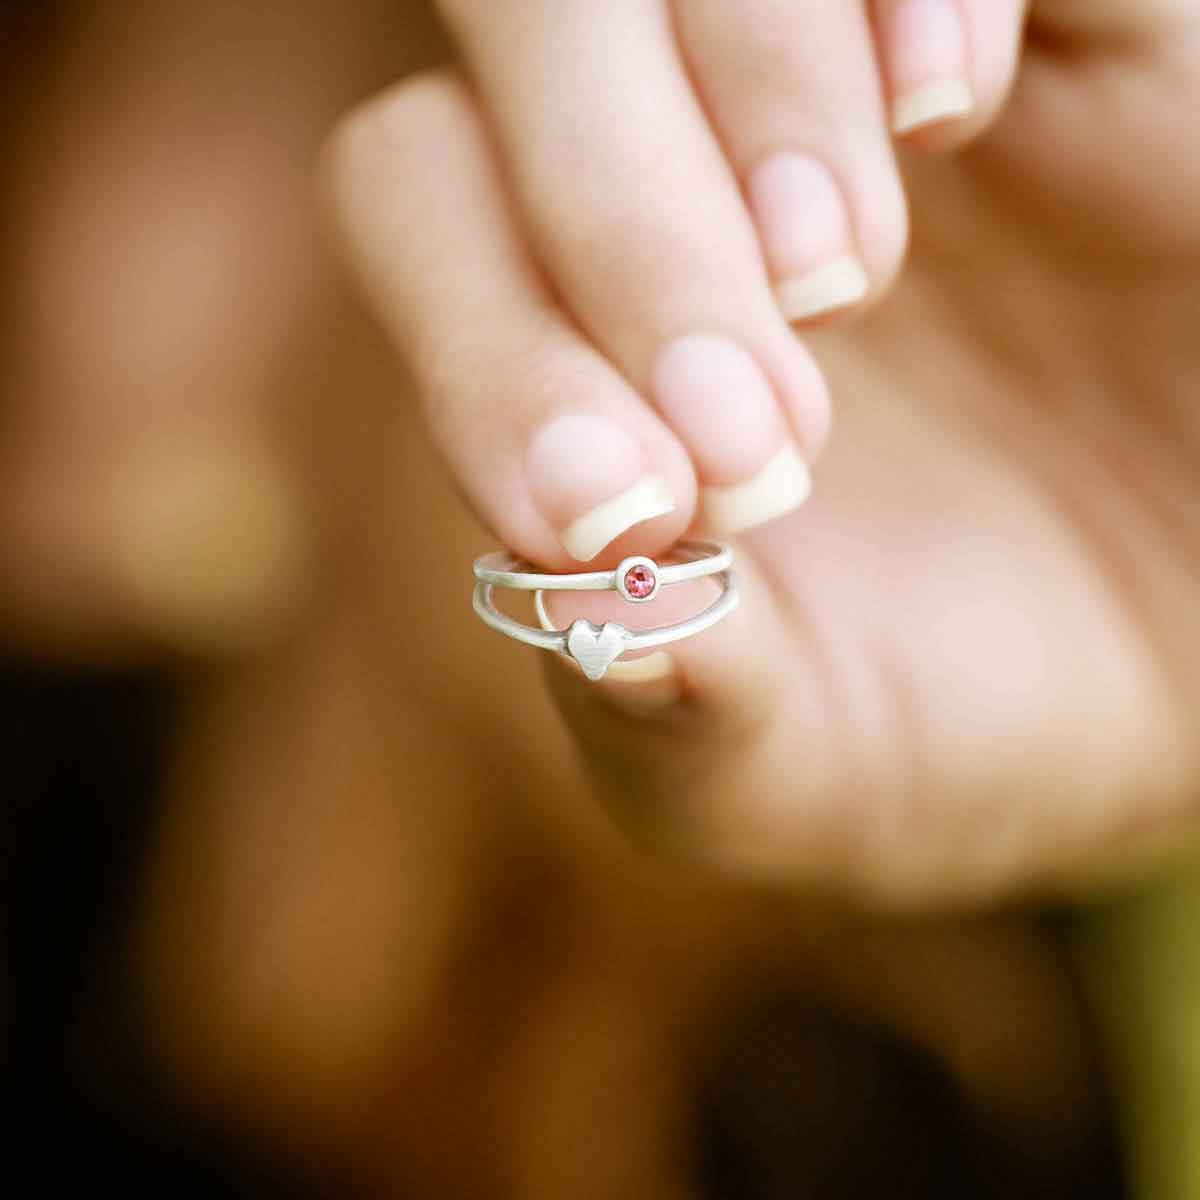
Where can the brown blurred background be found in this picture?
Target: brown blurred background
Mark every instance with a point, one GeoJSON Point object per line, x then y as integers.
{"type": "Point", "coordinates": [293, 905]}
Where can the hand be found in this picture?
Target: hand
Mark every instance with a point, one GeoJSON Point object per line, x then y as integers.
{"type": "Point", "coordinates": [148, 500]}
{"type": "Point", "coordinates": [967, 665]}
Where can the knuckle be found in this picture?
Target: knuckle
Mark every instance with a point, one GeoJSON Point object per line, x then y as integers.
{"type": "Point", "coordinates": [615, 205]}
{"type": "Point", "coordinates": [619, 244]}
{"type": "Point", "coordinates": [633, 247]}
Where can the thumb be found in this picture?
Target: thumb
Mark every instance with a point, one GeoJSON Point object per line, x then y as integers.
{"type": "Point", "coordinates": [668, 734]}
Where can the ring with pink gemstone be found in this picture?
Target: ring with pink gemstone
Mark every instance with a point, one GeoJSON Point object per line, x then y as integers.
{"type": "Point", "coordinates": [637, 580]}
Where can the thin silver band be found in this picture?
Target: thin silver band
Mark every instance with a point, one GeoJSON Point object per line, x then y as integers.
{"type": "Point", "coordinates": [502, 569]}
{"type": "Point", "coordinates": [596, 647]}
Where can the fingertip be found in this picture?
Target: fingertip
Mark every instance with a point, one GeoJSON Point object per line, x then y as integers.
{"type": "Point", "coordinates": [648, 497]}
{"type": "Point", "coordinates": [601, 489]}
{"type": "Point", "coordinates": [803, 392]}
{"type": "Point", "coordinates": [949, 66]}
{"type": "Point", "coordinates": [835, 285]}
{"type": "Point", "coordinates": [778, 488]}
{"type": "Point", "coordinates": [931, 104]}
{"type": "Point", "coordinates": [726, 408]}
{"type": "Point", "coordinates": [806, 236]}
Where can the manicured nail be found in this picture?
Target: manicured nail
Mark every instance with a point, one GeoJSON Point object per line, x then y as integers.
{"type": "Point", "coordinates": [209, 544]}
{"type": "Point", "coordinates": [724, 409]}
{"type": "Point", "coordinates": [589, 479]}
{"type": "Point", "coordinates": [805, 233]}
{"type": "Point", "coordinates": [779, 488]}
{"type": "Point", "coordinates": [927, 62]}
{"type": "Point", "coordinates": [837, 284]}
{"type": "Point", "coordinates": [940, 100]}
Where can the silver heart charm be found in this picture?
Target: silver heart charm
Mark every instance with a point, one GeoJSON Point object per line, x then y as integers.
{"type": "Point", "coordinates": [594, 648]}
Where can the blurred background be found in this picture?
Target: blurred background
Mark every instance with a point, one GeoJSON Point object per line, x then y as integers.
{"type": "Point", "coordinates": [267, 928]}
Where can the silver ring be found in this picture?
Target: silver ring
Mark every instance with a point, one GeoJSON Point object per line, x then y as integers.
{"type": "Point", "coordinates": [637, 580]}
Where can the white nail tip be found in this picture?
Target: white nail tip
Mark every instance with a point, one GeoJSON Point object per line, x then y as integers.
{"type": "Point", "coordinates": [937, 101]}
{"type": "Point", "coordinates": [781, 486]}
{"type": "Point", "coordinates": [835, 285]}
{"type": "Point", "coordinates": [586, 536]}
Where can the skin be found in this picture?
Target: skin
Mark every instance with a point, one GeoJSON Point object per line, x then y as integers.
{"type": "Point", "coordinates": [931, 737]}
{"type": "Point", "coordinates": [962, 669]}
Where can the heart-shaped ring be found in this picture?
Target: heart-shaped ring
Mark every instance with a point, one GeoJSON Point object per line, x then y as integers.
{"type": "Point", "coordinates": [596, 647]}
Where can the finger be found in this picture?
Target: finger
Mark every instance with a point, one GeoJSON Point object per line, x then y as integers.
{"type": "Point", "coordinates": [558, 454]}
{"type": "Point", "coordinates": [641, 226]}
{"type": "Point", "coordinates": [793, 91]}
{"type": "Point", "coordinates": [948, 64]}
{"type": "Point", "coordinates": [667, 745]}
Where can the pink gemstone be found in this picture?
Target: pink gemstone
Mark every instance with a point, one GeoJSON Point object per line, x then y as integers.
{"type": "Point", "coordinates": [640, 582]}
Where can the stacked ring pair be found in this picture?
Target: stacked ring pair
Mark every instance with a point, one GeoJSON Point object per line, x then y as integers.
{"type": "Point", "coordinates": [637, 580]}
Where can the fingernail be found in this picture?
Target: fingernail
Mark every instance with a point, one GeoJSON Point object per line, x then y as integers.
{"type": "Point", "coordinates": [724, 409]}
{"type": "Point", "coordinates": [779, 488]}
{"type": "Point", "coordinates": [209, 544]}
{"type": "Point", "coordinates": [941, 100]}
{"type": "Point", "coordinates": [837, 284]}
{"type": "Point", "coordinates": [927, 48]}
{"type": "Point", "coordinates": [588, 477]}
{"type": "Point", "coordinates": [805, 233]}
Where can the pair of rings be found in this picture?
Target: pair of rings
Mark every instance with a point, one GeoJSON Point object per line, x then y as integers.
{"type": "Point", "coordinates": [637, 580]}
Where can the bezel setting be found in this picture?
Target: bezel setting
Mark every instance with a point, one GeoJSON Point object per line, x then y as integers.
{"type": "Point", "coordinates": [630, 564]}
{"type": "Point", "coordinates": [597, 648]}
